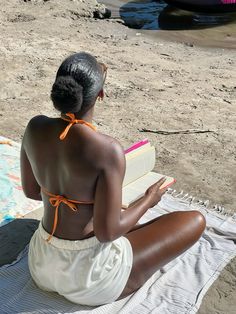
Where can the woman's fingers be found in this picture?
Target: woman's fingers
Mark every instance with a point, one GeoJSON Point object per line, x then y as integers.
{"type": "Point", "coordinates": [161, 181]}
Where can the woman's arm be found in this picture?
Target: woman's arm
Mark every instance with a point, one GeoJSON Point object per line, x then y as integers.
{"type": "Point", "coordinates": [30, 186]}
{"type": "Point", "coordinates": [109, 221]}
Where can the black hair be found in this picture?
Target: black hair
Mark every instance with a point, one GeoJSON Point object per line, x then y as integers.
{"type": "Point", "coordinates": [79, 80]}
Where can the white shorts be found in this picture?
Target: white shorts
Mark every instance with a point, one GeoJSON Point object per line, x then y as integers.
{"type": "Point", "coordinates": [84, 271]}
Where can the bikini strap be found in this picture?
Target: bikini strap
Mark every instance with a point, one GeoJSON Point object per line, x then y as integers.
{"type": "Point", "coordinates": [72, 120]}
{"type": "Point", "coordinates": [55, 201]}
{"type": "Point", "coordinates": [7, 142]}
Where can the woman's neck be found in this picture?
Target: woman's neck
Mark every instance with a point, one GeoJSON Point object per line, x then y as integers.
{"type": "Point", "coordinates": [86, 116]}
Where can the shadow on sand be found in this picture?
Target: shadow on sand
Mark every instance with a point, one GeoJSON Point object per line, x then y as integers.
{"type": "Point", "coordinates": [14, 237]}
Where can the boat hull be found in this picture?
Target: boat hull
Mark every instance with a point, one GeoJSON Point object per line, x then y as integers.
{"type": "Point", "coordinates": [210, 6]}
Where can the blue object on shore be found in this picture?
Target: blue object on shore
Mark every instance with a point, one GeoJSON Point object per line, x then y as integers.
{"type": "Point", "coordinates": [209, 6]}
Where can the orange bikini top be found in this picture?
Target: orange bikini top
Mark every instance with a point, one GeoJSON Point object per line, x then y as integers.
{"type": "Point", "coordinates": [56, 200]}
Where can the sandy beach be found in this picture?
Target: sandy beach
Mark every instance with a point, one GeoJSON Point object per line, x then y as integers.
{"type": "Point", "coordinates": [155, 85]}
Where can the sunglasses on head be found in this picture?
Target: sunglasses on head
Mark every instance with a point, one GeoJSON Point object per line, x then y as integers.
{"type": "Point", "coordinates": [104, 67]}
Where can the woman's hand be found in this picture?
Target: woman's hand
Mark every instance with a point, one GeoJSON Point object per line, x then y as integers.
{"type": "Point", "coordinates": [154, 194]}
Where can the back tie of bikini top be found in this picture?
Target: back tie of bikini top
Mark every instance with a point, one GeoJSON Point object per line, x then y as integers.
{"type": "Point", "coordinates": [56, 200]}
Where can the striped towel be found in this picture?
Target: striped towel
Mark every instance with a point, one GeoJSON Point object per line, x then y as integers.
{"type": "Point", "coordinates": [177, 288]}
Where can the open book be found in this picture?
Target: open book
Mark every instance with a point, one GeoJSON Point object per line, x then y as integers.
{"type": "Point", "coordinates": [140, 161]}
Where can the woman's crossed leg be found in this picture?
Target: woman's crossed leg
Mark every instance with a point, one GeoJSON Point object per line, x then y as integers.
{"type": "Point", "coordinates": [160, 241]}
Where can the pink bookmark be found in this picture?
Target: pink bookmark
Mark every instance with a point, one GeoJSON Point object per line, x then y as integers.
{"type": "Point", "coordinates": [136, 145]}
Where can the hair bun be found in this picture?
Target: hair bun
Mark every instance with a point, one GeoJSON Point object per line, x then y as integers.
{"type": "Point", "coordinates": [67, 94]}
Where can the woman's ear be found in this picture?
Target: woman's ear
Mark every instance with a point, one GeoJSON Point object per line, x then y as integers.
{"type": "Point", "coordinates": [101, 95]}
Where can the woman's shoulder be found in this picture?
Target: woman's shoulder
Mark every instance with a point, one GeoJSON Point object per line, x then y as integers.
{"type": "Point", "coordinates": [108, 149]}
{"type": "Point", "coordinates": [37, 120]}
{"type": "Point", "coordinates": [110, 144]}
{"type": "Point", "coordinates": [34, 126]}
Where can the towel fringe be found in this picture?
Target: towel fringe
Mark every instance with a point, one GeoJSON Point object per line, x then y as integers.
{"type": "Point", "coordinates": [205, 204]}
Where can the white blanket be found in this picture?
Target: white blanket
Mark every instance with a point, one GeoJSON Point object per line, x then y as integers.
{"type": "Point", "coordinates": [177, 288]}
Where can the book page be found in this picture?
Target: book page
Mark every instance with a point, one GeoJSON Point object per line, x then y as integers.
{"type": "Point", "coordinates": [140, 164]}
{"type": "Point", "coordinates": [135, 190]}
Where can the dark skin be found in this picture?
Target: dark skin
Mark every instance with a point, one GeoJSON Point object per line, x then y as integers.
{"type": "Point", "coordinates": [90, 166]}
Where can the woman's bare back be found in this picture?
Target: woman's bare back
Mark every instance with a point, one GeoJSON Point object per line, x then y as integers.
{"type": "Point", "coordinates": [69, 168]}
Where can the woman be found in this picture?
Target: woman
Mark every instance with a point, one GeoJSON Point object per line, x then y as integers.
{"type": "Point", "coordinates": [86, 248]}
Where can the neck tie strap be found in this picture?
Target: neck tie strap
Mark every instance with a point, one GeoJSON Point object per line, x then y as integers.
{"type": "Point", "coordinates": [71, 119]}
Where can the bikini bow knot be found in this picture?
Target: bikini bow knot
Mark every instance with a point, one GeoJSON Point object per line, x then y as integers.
{"type": "Point", "coordinates": [55, 201]}
{"type": "Point", "coordinates": [71, 119]}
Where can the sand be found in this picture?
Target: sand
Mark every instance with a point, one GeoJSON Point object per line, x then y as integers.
{"type": "Point", "coordinates": [151, 84]}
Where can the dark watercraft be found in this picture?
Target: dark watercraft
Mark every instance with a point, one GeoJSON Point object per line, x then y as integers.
{"type": "Point", "coordinates": [210, 6]}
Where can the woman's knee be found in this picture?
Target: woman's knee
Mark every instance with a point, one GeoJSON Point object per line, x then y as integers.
{"type": "Point", "coordinates": [198, 216]}
{"type": "Point", "coordinates": [197, 221]}
{"type": "Point", "coordinates": [190, 217]}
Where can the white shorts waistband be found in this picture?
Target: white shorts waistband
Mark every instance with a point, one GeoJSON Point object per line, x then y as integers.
{"type": "Point", "coordinates": [73, 245]}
